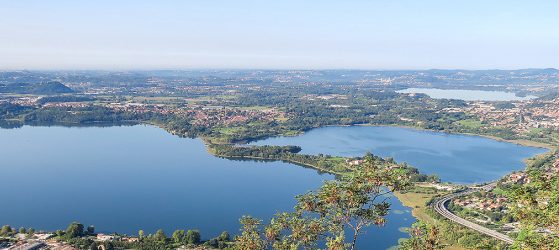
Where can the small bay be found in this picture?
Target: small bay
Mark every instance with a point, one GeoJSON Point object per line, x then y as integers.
{"type": "Point", "coordinates": [455, 158]}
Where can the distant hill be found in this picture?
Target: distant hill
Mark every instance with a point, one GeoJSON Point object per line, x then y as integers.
{"type": "Point", "coordinates": [44, 88]}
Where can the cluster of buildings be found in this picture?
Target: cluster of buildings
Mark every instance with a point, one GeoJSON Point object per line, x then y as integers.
{"type": "Point", "coordinates": [354, 162]}
{"type": "Point", "coordinates": [523, 178]}
{"type": "Point", "coordinates": [553, 170]}
{"type": "Point", "coordinates": [65, 105]}
{"type": "Point", "coordinates": [140, 108]}
{"type": "Point", "coordinates": [109, 237]}
{"type": "Point", "coordinates": [312, 97]}
{"type": "Point", "coordinates": [202, 115]}
{"type": "Point", "coordinates": [518, 178]}
{"type": "Point", "coordinates": [227, 116]}
{"type": "Point", "coordinates": [32, 101]}
{"type": "Point", "coordinates": [487, 203]}
{"type": "Point", "coordinates": [23, 100]}
{"type": "Point", "coordinates": [541, 113]}
{"type": "Point", "coordinates": [44, 241]}
{"type": "Point", "coordinates": [38, 241]}
{"type": "Point", "coordinates": [441, 186]}
{"type": "Point", "coordinates": [521, 117]}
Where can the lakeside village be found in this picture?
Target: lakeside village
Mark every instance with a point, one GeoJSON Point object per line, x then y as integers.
{"type": "Point", "coordinates": [27, 239]}
{"type": "Point", "coordinates": [77, 237]}
{"type": "Point", "coordinates": [519, 116]}
{"type": "Point", "coordinates": [204, 115]}
{"type": "Point", "coordinates": [493, 208]}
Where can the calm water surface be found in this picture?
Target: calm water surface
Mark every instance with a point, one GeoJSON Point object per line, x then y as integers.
{"type": "Point", "coordinates": [455, 158]}
{"type": "Point", "coordinates": [122, 179]}
{"type": "Point", "coordinates": [467, 95]}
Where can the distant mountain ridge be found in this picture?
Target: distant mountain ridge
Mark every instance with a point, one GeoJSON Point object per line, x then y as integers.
{"type": "Point", "coordinates": [43, 88]}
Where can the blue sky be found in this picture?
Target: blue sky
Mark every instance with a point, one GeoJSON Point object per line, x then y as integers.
{"type": "Point", "coordinates": [283, 34]}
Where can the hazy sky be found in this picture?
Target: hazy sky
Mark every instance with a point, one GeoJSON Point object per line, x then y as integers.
{"type": "Point", "coordinates": [304, 34]}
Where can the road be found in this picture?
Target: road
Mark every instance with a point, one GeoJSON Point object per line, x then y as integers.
{"type": "Point", "coordinates": [440, 207]}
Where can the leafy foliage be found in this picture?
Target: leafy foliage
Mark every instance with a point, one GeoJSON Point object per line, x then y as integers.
{"type": "Point", "coordinates": [74, 230]}
{"type": "Point", "coordinates": [422, 237]}
{"type": "Point", "coordinates": [352, 203]}
{"type": "Point", "coordinates": [536, 205]}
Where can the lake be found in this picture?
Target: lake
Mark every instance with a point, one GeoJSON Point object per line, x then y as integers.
{"type": "Point", "coordinates": [455, 158]}
{"type": "Point", "coordinates": [467, 95]}
{"type": "Point", "coordinates": [122, 179]}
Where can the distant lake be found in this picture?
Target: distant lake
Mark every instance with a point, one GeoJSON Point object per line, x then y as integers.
{"type": "Point", "coordinates": [467, 95]}
{"type": "Point", "coordinates": [122, 179]}
{"type": "Point", "coordinates": [455, 158]}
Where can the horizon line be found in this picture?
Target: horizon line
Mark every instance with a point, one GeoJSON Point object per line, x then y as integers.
{"type": "Point", "coordinates": [276, 69]}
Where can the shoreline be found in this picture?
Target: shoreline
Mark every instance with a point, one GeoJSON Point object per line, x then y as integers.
{"type": "Point", "coordinates": [272, 160]}
{"type": "Point", "coordinates": [520, 142]}
{"type": "Point", "coordinates": [416, 210]}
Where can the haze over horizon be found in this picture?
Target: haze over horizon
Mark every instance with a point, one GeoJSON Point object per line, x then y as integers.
{"type": "Point", "coordinates": [220, 34]}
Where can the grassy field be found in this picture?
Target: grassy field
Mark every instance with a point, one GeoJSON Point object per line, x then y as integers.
{"type": "Point", "coordinates": [529, 143]}
{"type": "Point", "coordinates": [471, 123]}
{"type": "Point", "coordinates": [417, 199]}
{"type": "Point", "coordinates": [230, 130]}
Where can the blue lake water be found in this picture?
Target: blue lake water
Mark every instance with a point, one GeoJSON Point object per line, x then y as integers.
{"type": "Point", "coordinates": [455, 158]}
{"type": "Point", "coordinates": [467, 95]}
{"type": "Point", "coordinates": [122, 179]}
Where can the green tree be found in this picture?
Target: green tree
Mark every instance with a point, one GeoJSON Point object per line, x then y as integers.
{"type": "Point", "coordinates": [224, 236]}
{"type": "Point", "coordinates": [220, 241]}
{"type": "Point", "coordinates": [356, 201]}
{"type": "Point", "coordinates": [178, 236]}
{"type": "Point", "coordinates": [74, 230]}
{"type": "Point", "coordinates": [422, 237]}
{"type": "Point", "coordinates": [536, 205]}
{"type": "Point", "coordinates": [59, 233]}
{"type": "Point", "coordinates": [298, 231]}
{"type": "Point", "coordinates": [160, 236]}
{"type": "Point", "coordinates": [6, 230]}
{"type": "Point", "coordinates": [30, 231]}
{"type": "Point", "coordinates": [251, 238]}
{"type": "Point", "coordinates": [193, 237]}
{"type": "Point", "coordinates": [22, 230]}
{"type": "Point", "coordinates": [141, 234]}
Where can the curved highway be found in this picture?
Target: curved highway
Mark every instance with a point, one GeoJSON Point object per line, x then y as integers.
{"type": "Point", "coordinates": [440, 207]}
